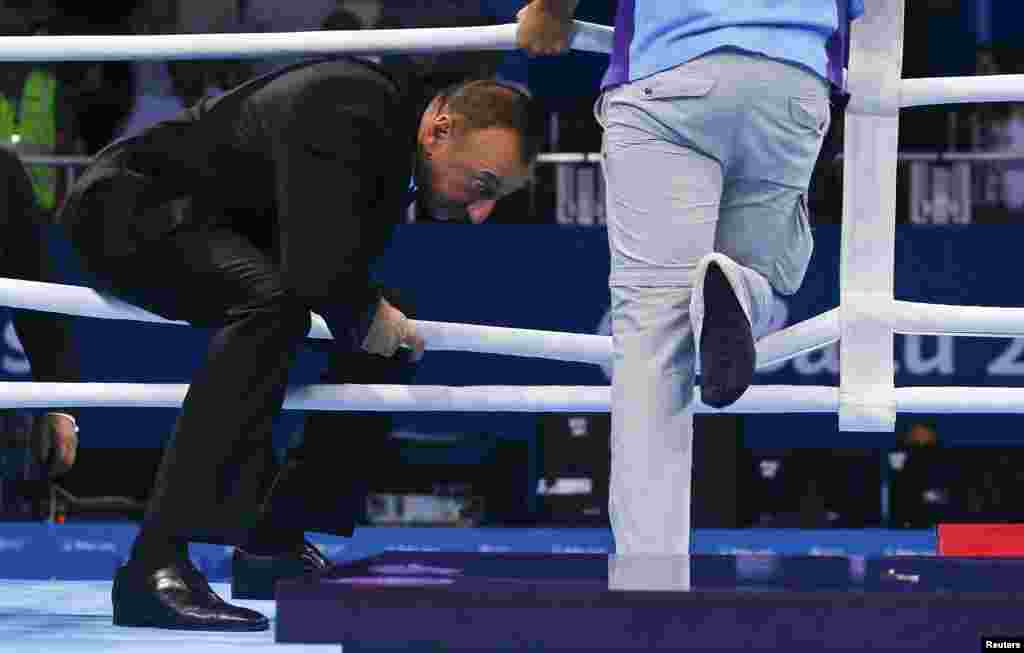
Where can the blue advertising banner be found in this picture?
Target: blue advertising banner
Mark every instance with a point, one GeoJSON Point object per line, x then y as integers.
{"type": "Point", "coordinates": [555, 277]}
{"type": "Point", "coordinates": [93, 551]}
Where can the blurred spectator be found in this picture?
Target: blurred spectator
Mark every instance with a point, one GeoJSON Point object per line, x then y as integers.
{"type": "Point", "coordinates": [102, 96]}
{"type": "Point", "coordinates": [163, 89]}
{"type": "Point", "coordinates": [341, 19]}
{"type": "Point", "coordinates": [1013, 138]}
{"type": "Point", "coordinates": [156, 98]}
{"type": "Point", "coordinates": [33, 451]}
{"type": "Point", "coordinates": [937, 43]}
{"type": "Point", "coordinates": [193, 81]}
{"type": "Point", "coordinates": [998, 127]}
{"type": "Point", "coordinates": [924, 479]}
{"type": "Point", "coordinates": [992, 484]}
{"type": "Point", "coordinates": [813, 488]}
{"type": "Point", "coordinates": [35, 116]}
{"type": "Point", "coordinates": [1002, 126]}
{"type": "Point", "coordinates": [98, 93]}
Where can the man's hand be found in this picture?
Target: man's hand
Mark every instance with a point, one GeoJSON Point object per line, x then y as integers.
{"type": "Point", "coordinates": [390, 330]}
{"type": "Point", "coordinates": [545, 26]}
{"type": "Point", "coordinates": [55, 441]}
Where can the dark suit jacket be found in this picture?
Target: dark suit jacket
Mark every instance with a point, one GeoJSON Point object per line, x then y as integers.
{"type": "Point", "coordinates": [315, 157]}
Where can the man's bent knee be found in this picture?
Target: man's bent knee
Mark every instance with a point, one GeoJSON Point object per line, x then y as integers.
{"type": "Point", "coordinates": [284, 314]}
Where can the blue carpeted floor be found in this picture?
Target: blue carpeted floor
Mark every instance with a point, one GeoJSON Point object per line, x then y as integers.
{"type": "Point", "coordinates": [75, 617]}
{"type": "Point", "coordinates": [56, 580]}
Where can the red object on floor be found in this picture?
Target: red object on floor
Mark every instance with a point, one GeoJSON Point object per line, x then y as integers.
{"type": "Point", "coordinates": [982, 540]}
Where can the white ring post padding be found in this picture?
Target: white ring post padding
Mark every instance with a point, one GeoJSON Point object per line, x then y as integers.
{"type": "Point", "coordinates": [588, 37]}
{"type": "Point", "coordinates": [817, 332]}
{"type": "Point", "coordinates": [868, 252]}
{"type": "Point", "coordinates": [954, 90]}
{"type": "Point", "coordinates": [761, 399]}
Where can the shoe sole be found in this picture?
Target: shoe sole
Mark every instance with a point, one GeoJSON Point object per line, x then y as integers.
{"type": "Point", "coordinates": [149, 621]}
{"type": "Point", "coordinates": [727, 352]}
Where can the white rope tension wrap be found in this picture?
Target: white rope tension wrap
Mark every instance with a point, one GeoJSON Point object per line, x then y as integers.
{"type": "Point", "coordinates": [440, 336]}
{"type": "Point", "coordinates": [588, 37]}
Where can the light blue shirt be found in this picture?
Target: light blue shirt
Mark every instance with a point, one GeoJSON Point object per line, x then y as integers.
{"type": "Point", "coordinates": [656, 35]}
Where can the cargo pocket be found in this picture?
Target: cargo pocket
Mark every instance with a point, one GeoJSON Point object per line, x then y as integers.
{"type": "Point", "coordinates": [797, 247]}
{"type": "Point", "coordinates": [811, 113]}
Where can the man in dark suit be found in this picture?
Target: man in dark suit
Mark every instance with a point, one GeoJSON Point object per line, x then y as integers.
{"type": "Point", "coordinates": [46, 337]}
{"type": "Point", "coordinates": [243, 214]}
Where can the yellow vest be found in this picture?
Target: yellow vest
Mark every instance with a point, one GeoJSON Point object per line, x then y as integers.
{"type": "Point", "coordinates": [31, 127]}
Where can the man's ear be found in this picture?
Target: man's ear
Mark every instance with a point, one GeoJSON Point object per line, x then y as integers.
{"type": "Point", "coordinates": [443, 126]}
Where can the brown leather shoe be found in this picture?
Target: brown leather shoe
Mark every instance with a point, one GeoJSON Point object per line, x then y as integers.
{"type": "Point", "coordinates": [176, 597]}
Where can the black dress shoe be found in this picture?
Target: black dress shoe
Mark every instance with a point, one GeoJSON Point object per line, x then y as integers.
{"type": "Point", "coordinates": [176, 597]}
{"type": "Point", "coordinates": [254, 576]}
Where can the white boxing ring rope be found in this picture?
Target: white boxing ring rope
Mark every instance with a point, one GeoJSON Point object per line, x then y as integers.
{"type": "Point", "coordinates": [807, 336]}
{"type": "Point", "coordinates": [864, 323]}
{"type": "Point", "coordinates": [439, 336]}
{"type": "Point", "coordinates": [401, 398]}
{"type": "Point", "coordinates": [759, 399]}
{"type": "Point", "coordinates": [588, 37]}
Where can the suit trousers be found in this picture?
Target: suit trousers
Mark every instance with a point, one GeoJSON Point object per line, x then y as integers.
{"type": "Point", "coordinates": [219, 477]}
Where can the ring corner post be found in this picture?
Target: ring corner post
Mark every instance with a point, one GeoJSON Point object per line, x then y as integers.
{"type": "Point", "coordinates": [867, 397]}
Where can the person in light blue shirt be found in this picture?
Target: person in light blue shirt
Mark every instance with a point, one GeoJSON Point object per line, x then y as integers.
{"type": "Point", "coordinates": [714, 114]}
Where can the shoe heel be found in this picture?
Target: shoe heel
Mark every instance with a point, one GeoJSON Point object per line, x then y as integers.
{"type": "Point", "coordinates": [128, 618]}
{"type": "Point", "coordinates": [254, 578]}
{"type": "Point", "coordinates": [253, 587]}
